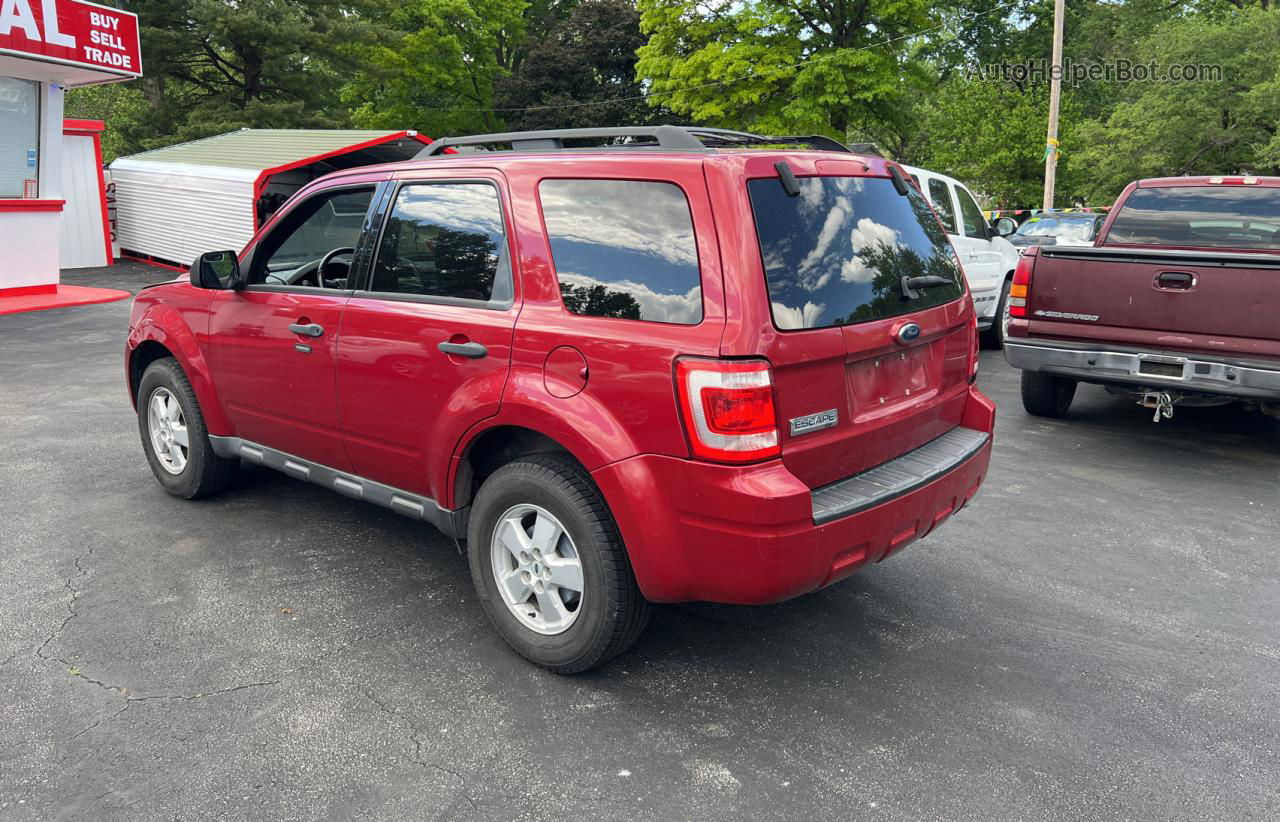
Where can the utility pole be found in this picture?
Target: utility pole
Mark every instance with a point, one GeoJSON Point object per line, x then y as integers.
{"type": "Point", "coordinates": [1055, 94]}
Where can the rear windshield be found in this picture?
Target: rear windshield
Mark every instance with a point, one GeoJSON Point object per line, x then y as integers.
{"type": "Point", "coordinates": [838, 252]}
{"type": "Point", "coordinates": [1209, 216]}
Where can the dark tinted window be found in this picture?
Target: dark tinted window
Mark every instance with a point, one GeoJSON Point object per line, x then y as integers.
{"type": "Point", "coordinates": [837, 253]}
{"type": "Point", "coordinates": [445, 240]}
{"type": "Point", "coordinates": [623, 249]}
{"type": "Point", "coordinates": [941, 199]}
{"type": "Point", "coordinates": [1215, 216]}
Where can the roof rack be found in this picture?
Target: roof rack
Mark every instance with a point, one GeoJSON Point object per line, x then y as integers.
{"type": "Point", "coordinates": [684, 138]}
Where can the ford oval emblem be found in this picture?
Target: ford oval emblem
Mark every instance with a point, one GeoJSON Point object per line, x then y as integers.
{"type": "Point", "coordinates": [908, 333]}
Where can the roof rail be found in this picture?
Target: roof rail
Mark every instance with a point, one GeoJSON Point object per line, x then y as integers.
{"type": "Point", "coordinates": [666, 136]}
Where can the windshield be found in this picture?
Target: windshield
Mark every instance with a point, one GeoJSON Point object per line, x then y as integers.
{"type": "Point", "coordinates": [1074, 229]}
{"type": "Point", "coordinates": [837, 253]}
{"type": "Point", "coordinates": [1212, 216]}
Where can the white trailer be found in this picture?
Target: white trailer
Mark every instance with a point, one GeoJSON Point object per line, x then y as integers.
{"type": "Point", "coordinates": [175, 203]}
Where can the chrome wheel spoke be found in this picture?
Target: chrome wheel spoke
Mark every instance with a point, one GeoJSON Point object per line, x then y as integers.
{"type": "Point", "coordinates": [180, 435]}
{"type": "Point", "coordinates": [546, 534]}
{"type": "Point", "coordinates": [511, 535]}
{"type": "Point", "coordinates": [554, 614]}
{"type": "Point", "coordinates": [513, 587]}
{"type": "Point", "coordinates": [566, 572]}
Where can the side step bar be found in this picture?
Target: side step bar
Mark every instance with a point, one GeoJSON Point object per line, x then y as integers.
{"type": "Point", "coordinates": [451, 523]}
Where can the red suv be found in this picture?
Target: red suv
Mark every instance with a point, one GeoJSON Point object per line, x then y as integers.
{"type": "Point", "coordinates": [624, 365]}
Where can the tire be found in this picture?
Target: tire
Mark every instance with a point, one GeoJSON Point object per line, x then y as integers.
{"type": "Point", "coordinates": [609, 613]}
{"type": "Point", "coordinates": [993, 337]}
{"type": "Point", "coordinates": [202, 473]}
{"type": "Point", "coordinates": [1044, 395]}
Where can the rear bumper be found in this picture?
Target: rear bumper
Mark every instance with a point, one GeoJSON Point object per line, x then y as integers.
{"type": "Point", "coordinates": [1161, 370]}
{"type": "Point", "coordinates": [751, 534]}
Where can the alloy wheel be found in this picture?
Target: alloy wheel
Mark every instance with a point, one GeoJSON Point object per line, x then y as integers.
{"type": "Point", "coordinates": [167, 428]}
{"type": "Point", "coordinates": [537, 569]}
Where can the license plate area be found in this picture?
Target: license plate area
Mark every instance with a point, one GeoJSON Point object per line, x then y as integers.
{"type": "Point", "coordinates": [1168, 369]}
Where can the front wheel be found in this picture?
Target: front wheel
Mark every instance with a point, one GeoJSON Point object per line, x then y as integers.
{"type": "Point", "coordinates": [550, 568]}
{"type": "Point", "coordinates": [174, 436]}
{"type": "Point", "coordinates": [1044, 395]}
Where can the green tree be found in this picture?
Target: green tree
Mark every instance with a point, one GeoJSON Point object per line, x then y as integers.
{"type": "Point", "coordinates": [1203, 127]}
{"type": "Point", "coordinates": [786, 65]}
{"type": "Point", "coordinates": [437, 71]}
{"type": "Point", "coordinates": [588, 56]}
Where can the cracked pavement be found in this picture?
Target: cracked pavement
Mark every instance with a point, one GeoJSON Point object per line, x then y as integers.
{"type": "Point", "coordinates": [1094, 638]}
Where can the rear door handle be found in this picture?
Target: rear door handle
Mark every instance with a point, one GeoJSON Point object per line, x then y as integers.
{"type": "Point", "coordinates": [1175, 280]}
{"type": "Point", "coordinates": [307, 329]}
{"type": "Point", "coordinates": [470, 350]}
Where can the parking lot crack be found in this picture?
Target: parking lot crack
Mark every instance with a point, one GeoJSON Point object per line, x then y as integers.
{"type": "Point", "coordinates": [418, 757]}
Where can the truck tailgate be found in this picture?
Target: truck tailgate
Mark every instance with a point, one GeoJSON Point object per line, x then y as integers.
{"type": "Point", "coordinates": [1221, 294]}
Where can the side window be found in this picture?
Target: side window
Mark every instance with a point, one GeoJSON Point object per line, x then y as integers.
{"type": "Point", "coordinates": [445, 240]}
{"type": "Point", "coordinates": [623, 248]}
{"type": "Point", "coordinates": [940, 198]}
{"type": "Point", "coordinates": [326, 224]}
{"type": "Point", "coordinates": [974, 223]}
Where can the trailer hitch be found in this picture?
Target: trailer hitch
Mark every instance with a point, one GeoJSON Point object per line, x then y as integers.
{"type": "Point", "coordinates": [1161, 401]}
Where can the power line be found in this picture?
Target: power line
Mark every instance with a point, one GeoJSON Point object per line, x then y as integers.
{"type": "Point", "coordinates": [731, 80]}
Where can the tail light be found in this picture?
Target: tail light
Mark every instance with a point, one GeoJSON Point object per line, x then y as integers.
{"type": "Point", "coordinates": [1020, 289]}
{"type": "Point", "coordinates": [728, 408]}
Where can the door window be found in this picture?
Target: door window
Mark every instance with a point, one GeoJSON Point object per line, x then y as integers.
{"type": "Point", "coordinates": [974, 224]}
{"type": "Point", "coordinates": [941, 200]}
{"type": "Point", "coordinates": [445, 241]}
{"type": "Point", "coordinates": [325, 226]}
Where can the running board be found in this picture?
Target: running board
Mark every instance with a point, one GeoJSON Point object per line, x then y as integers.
{"type": "Point", "coordinates": [452, 523]}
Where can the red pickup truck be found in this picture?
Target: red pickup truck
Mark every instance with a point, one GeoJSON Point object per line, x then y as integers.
{"type": "Point", "coordinates": [676, 364]}
{"type": "Point", "coordinates": [1177, 302]}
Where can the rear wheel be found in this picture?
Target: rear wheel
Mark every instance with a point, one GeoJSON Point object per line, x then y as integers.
{"type": "Point", "coordinates": [550, 568]}
{"type": "Point", "coordinates": [174, 436]}
{"type": "Point", "coordinates": [993, 337]}
{"type": "Point", "coordinates": [1044, 395]}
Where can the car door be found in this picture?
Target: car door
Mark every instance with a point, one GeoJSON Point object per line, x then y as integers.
{"type": "Point", "coordinates": [983, 263]}
{"type": "Point", "coordinates": [426, 339]}
{"type": "Point", "coordinates": [272, 343]}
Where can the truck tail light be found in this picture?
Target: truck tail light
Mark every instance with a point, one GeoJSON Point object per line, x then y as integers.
{"type": "Point", "coordinates": [728, 408]}
{"type": "Point", "coordinates": [1020, 289]}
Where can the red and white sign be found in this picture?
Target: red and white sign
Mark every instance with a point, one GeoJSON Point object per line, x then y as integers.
{"type": "Point", "coordinates": [71, 32]}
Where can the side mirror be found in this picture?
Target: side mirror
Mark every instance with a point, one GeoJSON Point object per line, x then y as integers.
{"type": "Point", "coordinates": [218, 270]}
{"type": "Point", "coordinates": [1006, 226]}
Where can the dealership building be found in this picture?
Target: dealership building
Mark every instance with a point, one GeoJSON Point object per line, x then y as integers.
{"type": "Point", "coordinates": [52, 197]}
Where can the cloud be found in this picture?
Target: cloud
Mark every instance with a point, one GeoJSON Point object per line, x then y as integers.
{"type": "Point", "coordinates": [867, 235]}
{"type": "Point", "coordinates": [647, 217]}
{"type": "Point", "coordinates": [788, 318]}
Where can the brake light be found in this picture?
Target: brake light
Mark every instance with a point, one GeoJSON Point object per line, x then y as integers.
{"type": "Point", "coordinates": [1020, 289]}
{"type": "Point", "coordinates": [1234, 181]}
{"type": "Point", "coordinates": [728, 408]}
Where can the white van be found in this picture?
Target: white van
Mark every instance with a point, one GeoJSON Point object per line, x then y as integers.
{"type": "Point", "coordinates": [987, 258]}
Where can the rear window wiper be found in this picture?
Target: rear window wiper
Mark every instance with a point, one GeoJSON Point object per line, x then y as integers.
{"type": "Point", "coordinates": [911, 285]}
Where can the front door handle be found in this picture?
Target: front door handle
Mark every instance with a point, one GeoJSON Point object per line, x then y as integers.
{"type": "Point", "coordinates": [470, 350]}
{"type": "Point", "coordinates": [307, 329]}
{"type": "Point", "coordinates": [1175, 280]}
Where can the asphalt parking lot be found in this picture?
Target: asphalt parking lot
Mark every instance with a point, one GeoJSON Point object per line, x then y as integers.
{"type": "Point", "coordinates": [1096, 637]}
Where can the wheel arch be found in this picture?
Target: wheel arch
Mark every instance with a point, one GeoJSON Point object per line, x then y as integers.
{"type": "Point", "coordinates": [163, 332]}
{"type": "Point", "coordinates": [486, 450]}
